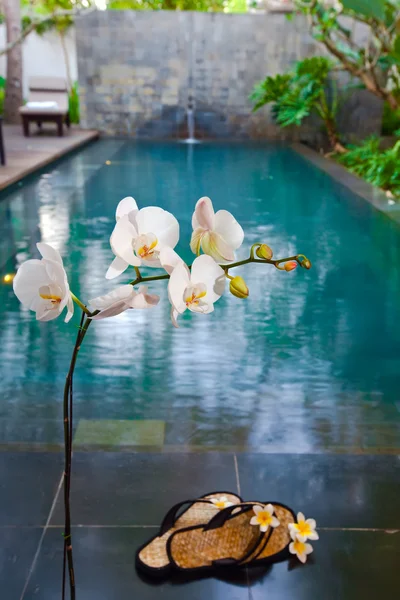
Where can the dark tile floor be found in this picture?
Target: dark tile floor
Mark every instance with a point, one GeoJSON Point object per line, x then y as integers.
{"type": "Point", "coordinates": [119, 498]}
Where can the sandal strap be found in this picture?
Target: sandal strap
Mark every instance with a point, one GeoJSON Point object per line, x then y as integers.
{"type": "Point", "coordinates": [220, 519]}
{"type": "Point", "coordinates": [171, 516]}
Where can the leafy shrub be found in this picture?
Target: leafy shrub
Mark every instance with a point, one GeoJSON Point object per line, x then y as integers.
{"type": "Point", "coordinates": [379, 167]}
{"type": "Point", "coordinates": [73, 103]}
{"type": "Point", "coordinates": [390, 120]}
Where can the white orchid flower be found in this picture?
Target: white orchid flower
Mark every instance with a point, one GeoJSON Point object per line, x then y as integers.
{"type": "Point", "coordinates": [221, 502]}
{"type": "Point", "coordinates": [169, 259]}
{"type": "Point", "coordinates": [264, 517]}
{"type": "Point", "coordinates": [122, 299]}
{"type": "Point", "coordinates": [304, 529]}
{"type": "Point", "coordinates": [196, 290]}
{"type": "Point", "coordinates": [42, 285]}
{"type": "Point", "coordinates": [300, 549]}
{"type": "Point", "coordinates": [139, 235]}
{"type": "Point", "coordinates": [217, 234]}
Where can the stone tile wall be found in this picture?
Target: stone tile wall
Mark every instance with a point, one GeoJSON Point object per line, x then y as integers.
{"type": "Point", "coordinates": [137, 71]}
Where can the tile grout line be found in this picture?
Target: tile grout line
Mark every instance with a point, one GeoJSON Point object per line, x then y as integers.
{"type": "Point", "coordinates": [237, 474]}
{"type": "Point", "coordinates": [35, 558]}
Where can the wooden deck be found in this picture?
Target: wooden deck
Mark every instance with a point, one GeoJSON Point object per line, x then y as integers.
{"type": "Point", "coordinates": [25, 155]}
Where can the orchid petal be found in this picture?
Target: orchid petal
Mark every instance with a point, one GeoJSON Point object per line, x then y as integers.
{"type": "Point", "coordinates": [174, 317]}
{"type": "Point", "coordinates": [49, 253]}
{"type": "Point", "coordinates": [124, 292]}
{"type": "Point", "coordinates": [203, 214]}
{"type": "Point", "coordinates": [144, 300]}
{"type": "Point", "coordinates": [122, 239]}
{"type": "Point", "coordinates": [161, 223]}
{"type": "Point", "coordinates": [117, 267]}
{"type": "Point", "coordinates": [169, 259]}
{"type": "Point", "coordinates": [205, 270]}
{"type": "Point", "coordinates": [178, 282]}
{"type": "Point", "coordinates": [126, 206]}
{"type": "Point", "coordinates": [214, 245]}
{"type": "Point", "coordinates": [195, 241]}
{"type": "Point", "coordinates": [70, 311]}
{"type": "Point", "coordinates": [229, 229]}
{"type": "Point", "coordinates": [30, 276]}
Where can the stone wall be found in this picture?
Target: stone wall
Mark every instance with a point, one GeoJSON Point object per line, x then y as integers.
{"type": "Point", "coordinates": [137, 71]}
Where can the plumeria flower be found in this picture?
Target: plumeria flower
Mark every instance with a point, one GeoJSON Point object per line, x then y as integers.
{"type": "Point", "coordinates": [304, 529]}
{"type": "Point", "coordinates": [221, 502]}
{"type": "Point", "coordinates": [300, 549]}
{"type": "Point", "coordinates": [122, 299]}
{"type": "Point", "coordinates": [264, 517]}
{"type": "Point", "coordinates": [139, 235]}
{"type": "Point", "coordinates": [196, 290]}
{"type": "Point", "coordinates": [217, 234]}
{"type": "Point", "coordinates": [42, 285]}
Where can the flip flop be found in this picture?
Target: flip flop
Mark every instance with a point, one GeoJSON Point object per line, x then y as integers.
{"type": "Point", "coordinates": [152, 557]}
{"type": "Point", "coordinates": [237, 536]}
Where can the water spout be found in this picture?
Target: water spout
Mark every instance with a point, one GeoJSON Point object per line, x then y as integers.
{"type": "Point", "coordinates": [191, 139]}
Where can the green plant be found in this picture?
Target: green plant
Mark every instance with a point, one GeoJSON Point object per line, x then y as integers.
{"type": "Point", "coordinates": [390, 120]}
{"type": "Point", "coordinates": [73, 103]}
{"type": "Point", "coordinates": [379, 167]}
{"type": "Point", "coordinates": [373, 58]}
{"type": "Point", "coordinates": [297, 94]}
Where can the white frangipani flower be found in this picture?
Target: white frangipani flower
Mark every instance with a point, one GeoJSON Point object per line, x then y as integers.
{"type": "Point", "coordinates": [264, 517]}
{"type": "Point", "coordinates": [42, 285]}
{"type": "Point", "coordinates": [304, 529]}
{"type": "Point", "coordinates": [122, 299]}
{"type": "Point", "coordinates": [139, 235]}
{"type": "Point", "coordinates": [196, 290]}
{"type": "Point", "coordinates": [300, 549]}
{"type": "Point", "coordinates": [217, 234]}
{"type": "Point", "coordinates": [221, 502]}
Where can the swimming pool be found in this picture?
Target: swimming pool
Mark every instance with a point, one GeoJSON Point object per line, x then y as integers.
{"type": "Point", "coordinates": [309, 362]}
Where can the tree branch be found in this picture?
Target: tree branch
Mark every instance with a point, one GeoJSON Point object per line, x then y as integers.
{"type": "Point", "coordinates": [39, 21]}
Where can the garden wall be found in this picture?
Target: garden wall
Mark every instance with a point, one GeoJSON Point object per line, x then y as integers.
{"type": "Point", "coordinates": [137, 71]}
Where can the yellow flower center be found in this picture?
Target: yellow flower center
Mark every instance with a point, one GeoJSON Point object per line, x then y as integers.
{"type": "Point", "coordinates": [194, 294]}
{"type": "Point", "coordinates": [145, 246]}
{"type": "Point", "coordinates": [299, 547]}
{"type": "Point", "coordinates": [303, 528]}
{"type": "Point", "coordinates": [220, 504]}
{"type": "Point", "coordinates": [47, 293]}
{"type": "Point", "coordinates": [264, 518]}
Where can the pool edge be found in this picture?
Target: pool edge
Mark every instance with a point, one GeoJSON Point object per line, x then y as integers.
{"type": "Point", "coordinates": [355, 184]}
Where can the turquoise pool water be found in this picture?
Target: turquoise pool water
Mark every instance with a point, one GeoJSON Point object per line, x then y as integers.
{"type": "Point", "coordinates": [309, 362]}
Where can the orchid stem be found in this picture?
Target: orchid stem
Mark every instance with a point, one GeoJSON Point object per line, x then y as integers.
{"type": "Point", "coordinates": [68, 431]}
{"type": "Point", "coordinates": [80, 304]}
{"type": "Point", "coordinates": [276, 263]}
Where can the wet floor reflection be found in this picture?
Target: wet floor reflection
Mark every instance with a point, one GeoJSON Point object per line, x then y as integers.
{"type": "Point", "coordinates": [309, 362]}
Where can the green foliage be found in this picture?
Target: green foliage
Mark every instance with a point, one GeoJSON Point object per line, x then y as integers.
{"type": "Point", "coordinates": [367, 8]}
{"type": "Point", "coordinates": [390, 121]}
{"type": "Point", "coordinates": [379, 167]}
{"type": "Point", "coordinates": [73, 104]}
{"type": "Point", "coordinates": [2, 95]}
{"type": "Point", "coordinates": [296, 94]}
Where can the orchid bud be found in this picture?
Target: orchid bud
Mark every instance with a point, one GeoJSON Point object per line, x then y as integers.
{"type": "Point", "coordinates": [291, 265]}
{"type": "Point", "coordinates": [264, 252]}
{"type": "Point", "coordinates": [306, 264]}
{"type": "Point", "coordinates": [238, 287]}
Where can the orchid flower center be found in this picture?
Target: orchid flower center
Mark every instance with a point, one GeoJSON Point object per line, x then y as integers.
{"type": "Point", "coordinates": [193, 297]}
{"type": "Point", "coordinates": [145, 246]}
{"type": "Point", "coordinates": [52, 293]}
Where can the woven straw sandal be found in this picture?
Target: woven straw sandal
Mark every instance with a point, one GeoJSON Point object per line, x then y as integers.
{"type": "Point", "coordinates": [245, 536]}
{"type": "Point", "coordinates": [152, 557]}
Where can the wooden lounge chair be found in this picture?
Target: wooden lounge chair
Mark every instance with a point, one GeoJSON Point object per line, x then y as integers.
{"type": "Point", "coordinates": [48, 101]}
